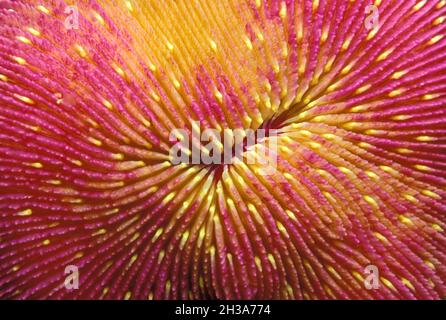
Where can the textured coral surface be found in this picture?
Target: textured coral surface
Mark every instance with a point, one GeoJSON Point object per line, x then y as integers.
{"type": "Point", "coordinates": [86, 180]}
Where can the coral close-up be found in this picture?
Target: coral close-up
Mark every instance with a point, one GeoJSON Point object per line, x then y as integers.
{"type": "Point", "coordinates": [349, 97]}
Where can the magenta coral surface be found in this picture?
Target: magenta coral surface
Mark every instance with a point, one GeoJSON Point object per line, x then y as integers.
{"type": "Point", "coordinates": [354, 207]}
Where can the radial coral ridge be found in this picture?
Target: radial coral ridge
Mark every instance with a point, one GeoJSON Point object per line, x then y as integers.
{"type": "Point", "coordinates": [91, 90]}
